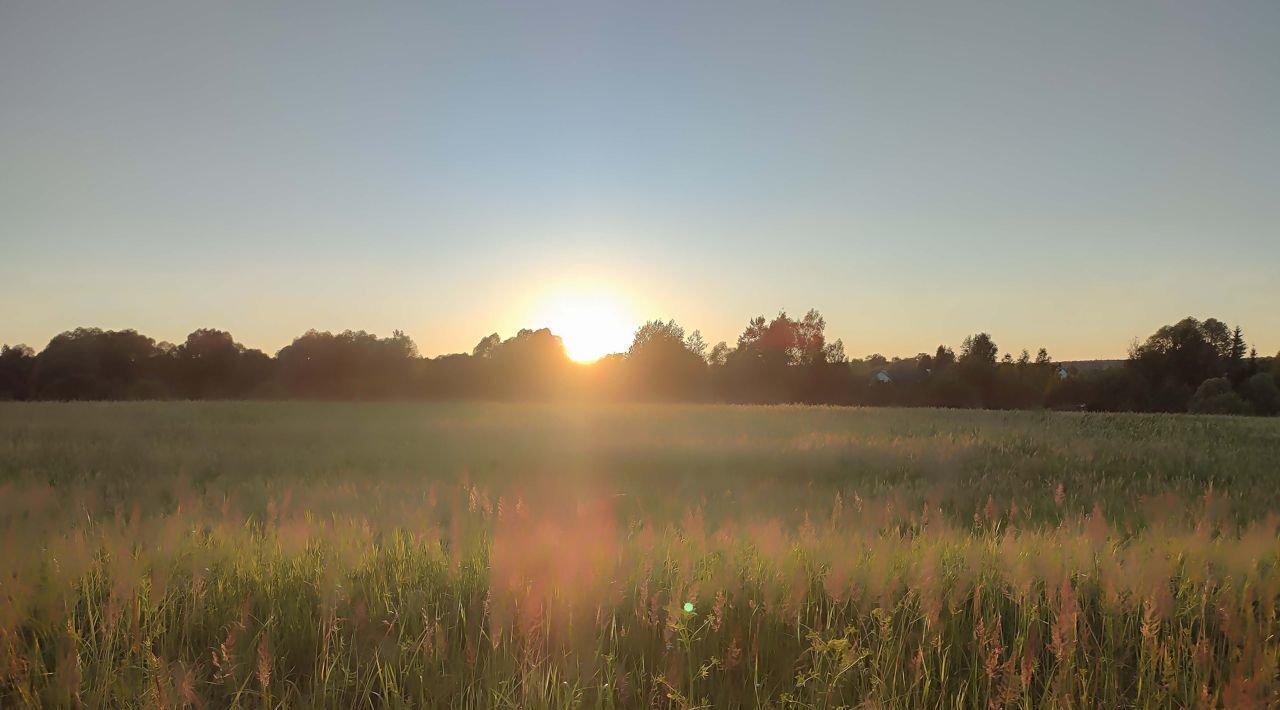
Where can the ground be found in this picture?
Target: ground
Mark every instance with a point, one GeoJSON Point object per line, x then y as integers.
{"type": "Point", "coordinates": [482, 555]}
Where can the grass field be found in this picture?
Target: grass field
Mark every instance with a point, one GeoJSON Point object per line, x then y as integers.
{"type": "Point", "coordinates": [529, 556]}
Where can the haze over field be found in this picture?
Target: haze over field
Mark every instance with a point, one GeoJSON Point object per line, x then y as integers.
{"type": "Point", "coordinates": [1062, 176]}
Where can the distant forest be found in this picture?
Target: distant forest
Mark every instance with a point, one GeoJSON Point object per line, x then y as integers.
{"type": "Point", "coordinates": [1192, 365]}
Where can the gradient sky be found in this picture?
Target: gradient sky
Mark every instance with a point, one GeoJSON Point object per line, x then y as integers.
{"type": "Point", "coordinates": [1069, 175]}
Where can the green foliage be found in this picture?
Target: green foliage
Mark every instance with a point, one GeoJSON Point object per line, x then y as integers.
{"type": "Point", "coordinates": [1177, 358]}
{"type": "Point", "coordinates": [1215, 396]}
{"type": "Point", "coordinates": [1262, 392]}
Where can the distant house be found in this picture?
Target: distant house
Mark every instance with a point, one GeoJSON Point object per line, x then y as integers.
{"type": "Point", "coordinates": [901, 373]}
{"type": "Point", "coordinates": [1063, 373]}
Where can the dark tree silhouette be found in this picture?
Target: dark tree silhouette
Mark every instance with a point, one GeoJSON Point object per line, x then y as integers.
{"type": "Point", "coordinates": [1189, 365]}
{"type": "Point", "coordinates": [664, 363]}
{"type": "Point", "coordinates": [1262, 392]}
{"type": "Point", "coordinates": [531, 365]}
{"type": "Point", "coordinates": [349, 364]}
{"type": "Point", "coordinates": [1216, 396]}
{"type": "Point", "coordinates": [1177, 358]}
{"type": "Point", "coordinates": [90, 363]}
{"type": "Point", "coordinates": [212, 365]}
{"type": "Point", "coordinates": [944, 357]}
{"type": "Point", "coordinates": [16, 364]}
{"type": "Point", "coordinates": [977, 365]}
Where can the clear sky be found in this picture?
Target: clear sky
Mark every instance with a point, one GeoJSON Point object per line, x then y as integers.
{"type": "Point", "coordinates": [1069, 175]}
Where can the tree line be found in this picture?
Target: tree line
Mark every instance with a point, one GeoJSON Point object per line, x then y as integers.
{"type": "Point", "coordinates": [1191, 365]}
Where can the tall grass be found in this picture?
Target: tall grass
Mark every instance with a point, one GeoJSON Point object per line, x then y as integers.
{"type": "Point", "coordinates": [247, 555]}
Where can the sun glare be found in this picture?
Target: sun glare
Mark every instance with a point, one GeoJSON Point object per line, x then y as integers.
{"type": "Point", "coordinates": [591, 324]}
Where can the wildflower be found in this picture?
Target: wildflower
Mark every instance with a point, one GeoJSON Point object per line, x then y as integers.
{"type": "Point", "coordinates": [184, 680]}
{"type": "Point", "coordinates": [263, 667]}
{"type": "Point", "coordinates": [717, 611]}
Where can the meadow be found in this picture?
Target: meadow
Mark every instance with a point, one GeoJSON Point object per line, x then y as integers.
{"type": "Point", "coordinates": [345, 555]}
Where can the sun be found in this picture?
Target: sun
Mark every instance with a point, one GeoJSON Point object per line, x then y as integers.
{"type": "Point", "coordinates": [591, 324]}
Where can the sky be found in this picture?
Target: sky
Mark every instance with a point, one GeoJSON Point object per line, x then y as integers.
{"type": "Point", "coordinates": [1066, 175]}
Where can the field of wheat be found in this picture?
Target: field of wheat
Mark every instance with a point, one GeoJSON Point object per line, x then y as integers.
{"type": "Point", "coordinates": [553, 556]}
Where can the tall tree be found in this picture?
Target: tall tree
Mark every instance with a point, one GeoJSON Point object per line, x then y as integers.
{"type": "Point", "coordinates": [978, 350]}
{"type": "Point", "coordinates": [16, 364]}
{"type": "Point", "coordinates": [91, 363]}
{"type": "Point", "coordinates": [487, 346]}
{"type": "Point", "coordinates": [719, 354]}
{"type": "Point", "coordinates": [207, 363]}
{"type": "Point", "coordinates": [1219, 337]}
{"type": "Point", "coordinates": [1183, 353]}
{"type": "Point", "coordinates": [977, 367]}
{"type": "Point", "coordinates": [663, 362]}
{"type": "Point", "coordinates": [1235, 365]}
{"type": "Point", "coordinates": [348, 364]}
{"type": "Point", "coordinates": [943, 358]}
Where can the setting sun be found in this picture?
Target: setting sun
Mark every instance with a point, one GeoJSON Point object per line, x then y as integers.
{"type": "Point", "coordinates": [592, 324]}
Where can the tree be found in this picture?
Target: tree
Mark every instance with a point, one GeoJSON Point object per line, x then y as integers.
{"type": "Point", "coordinates": [91, 363]}
{"type": "Point", "coordinates": [834, 353]}
{"type": "Point", "coordinates": [783, 360]}
{"type": "Point", "coordinates": [944, 357]}
{"type": "Point", "coordinates": [1218, 336]}
{"type": "Point", "coordinates": [977, 365]}
{"type": "Point", "coordinates": [811, 339]}
{"type": "Point", "coordinates": [1235, 367]}
{"type": "Point", "coordinates": [663, 362]}
{"type": "Point", "coordinates": [1262, 392]}
{"type": "Point", "coordinates": [16, 364]}
{"type": "Point", "coordinates": [348, 364]}
{"type": "Point", "coordinates": [207, 363]}
{"type": "Point", "coordinates": [949, 389]}
{"type": "Point", "coordinates": [695, 343]}
{"type": "Point", "coordinates": [788, 341]}
{"type": "Point", "coordinates": [753, 334]}
{"type": "Point", "coordinates": [531, 365]}
{"type": "Point", "coordinates": [656, 332]}
{"type": "Point", "coordinates": [719, 354]}
{"type": "Point", "coordinates": [978, 350]}
{"type": "Point", "coordinates": [772, 343]}
{"type": "Point", "coordinates": [1237, 346]}
{"type": "Point", "coordinates": [1215, 396]}
{"type": "Point", "coordinates": [487, 346]}
{"type": "Point", "coordinates": [1177, 358]}
{"type": "Point", "coordinates": [254, 374]}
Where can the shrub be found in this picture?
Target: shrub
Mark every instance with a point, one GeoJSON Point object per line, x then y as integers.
{"type": "Point", "coordinates": [1215, 396]}
{"type": "Point", "coordinates": [1261, 392]}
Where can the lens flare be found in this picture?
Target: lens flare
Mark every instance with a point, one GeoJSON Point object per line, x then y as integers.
{"type": "Point", "coordinates": [592, 324]}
